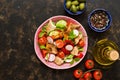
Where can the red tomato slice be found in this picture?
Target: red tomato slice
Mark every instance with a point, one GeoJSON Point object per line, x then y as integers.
{"type": "Point", "coordinates": [44, 52]}
{"type": "Point", "coordinates": [42, 40]}
{"type": "Point", "coordinates": [59, 43]}
{"type": "Point", "coordinates": [81, 43]}
{"type": "Point", "coordinates": [61, 54]}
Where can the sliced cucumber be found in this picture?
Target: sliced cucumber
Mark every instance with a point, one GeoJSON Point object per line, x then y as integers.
{"type": "Point", "coordinates": [54, 33]}
{"type": "Point", "coordinates": [61, 24]}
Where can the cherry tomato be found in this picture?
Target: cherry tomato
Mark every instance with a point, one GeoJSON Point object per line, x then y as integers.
{"type": "Point", "coordinates": [42, 40]}
{"type": "Point", "coordinates": [44, 52]}
{"type": "Point", "coordinates": [97, 74]}
{"type": "Point", "coordinates": [80, 55]}
{"type": "Point", "coordinates": [59, 43]}
{"type": "Point", "coordinates": [77, 73]}
{"type": "Point", "coordinates": [89, 64]}
{"type": "Point", "coordinates": [81, 79]}
{"type": "Point", "coordinates": [81, 43]}
{"type": "Point", "coordinates": [61, 54]}
{"type": "Point", "coordinates": [87, 76]}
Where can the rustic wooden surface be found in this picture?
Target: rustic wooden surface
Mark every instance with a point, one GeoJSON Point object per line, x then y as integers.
{"type": "Point", "coordinates": [19, 20]}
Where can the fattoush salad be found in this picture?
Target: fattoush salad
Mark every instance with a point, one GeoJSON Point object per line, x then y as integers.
{"type": "Point", "coordinates": [61, 42]}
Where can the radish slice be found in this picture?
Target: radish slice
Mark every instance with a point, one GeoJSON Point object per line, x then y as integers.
{"type": "Point", "coordinates": [76, 32]}
{"type": "Point", "coordinates": [69, 47]}
{"type": "Point", "coordinates": [49, 39]}
{"type": "Point", "coordinates": [51, 57]}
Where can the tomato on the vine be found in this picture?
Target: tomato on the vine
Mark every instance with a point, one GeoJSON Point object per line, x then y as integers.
{"type": "Point", "coordinates": [87, 75]}
{"type": "Point", "coordinates": [89, 64]}
{"type": "Point", "coordinates": [97, 74]}
{"type": "Point", "coordinates": [77, 73]}
{"type": "Point", "coordinates": [81, 79]}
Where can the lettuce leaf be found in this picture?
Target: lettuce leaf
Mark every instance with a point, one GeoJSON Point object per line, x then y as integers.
{"type": "Point", "coordinates": [72, 35]}
{"type": "Point", "coordinates": [42, 47]}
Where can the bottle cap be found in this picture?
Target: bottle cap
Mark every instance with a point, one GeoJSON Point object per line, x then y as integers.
{"type": "Point", "coordinates": [114, 55]}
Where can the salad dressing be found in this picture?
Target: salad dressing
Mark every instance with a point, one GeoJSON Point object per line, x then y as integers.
{"type": "Point", "coordinates": [105, 52]}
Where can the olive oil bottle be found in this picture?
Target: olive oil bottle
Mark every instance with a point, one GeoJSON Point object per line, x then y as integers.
{"type": "Point", "coordinates": [105, 52]}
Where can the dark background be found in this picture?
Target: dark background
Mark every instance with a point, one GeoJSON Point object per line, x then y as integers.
{"type": "Point", "coordinates": [19, 19]}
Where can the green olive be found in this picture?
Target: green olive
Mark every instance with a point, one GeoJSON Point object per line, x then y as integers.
{"type": "Point", "coordinates": [75, 2]}
{"type": "Point", "coordinates": [73, 8]}
{"type": "Point", "coordinates": [68, 4]}
{"type": "Point", "coordinates": [82, 6]}
{"type": "Point", "coordinates": [78, 8]}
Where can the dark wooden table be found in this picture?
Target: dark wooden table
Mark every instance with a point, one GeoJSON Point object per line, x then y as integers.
{"type": "Point", "coordinates": [19, 20]}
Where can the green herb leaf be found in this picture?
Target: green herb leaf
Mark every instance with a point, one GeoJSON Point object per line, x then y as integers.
{"type": "Point", "coordinates": [81, 49]}
{"type": "Point", "coordinates": [72, 62]}
{"type": "Point", "coordinates": [41, 34]}
{"type": "Point", "coordinates": [72, 35]}
{"type": "Point", "coordinates": [80, 32]}
{"type": "Point", "coordinates": [60, 28]}
{"type": "Point", "coordinates": [42, 47]}
{"type": "Point", "coordinates": [70, 56]}
{"type": "Point", "coordinates": [64, 39]}
{"type": "Point", "coordinates": [44, 29]}
{"type": "Point", "coordinates": [76, 59]}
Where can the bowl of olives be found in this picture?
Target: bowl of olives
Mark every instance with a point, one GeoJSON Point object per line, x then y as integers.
{"type": "Point", "coordinates": [99, 20]}
{"type": "Point", "coordinates": [75, 7]}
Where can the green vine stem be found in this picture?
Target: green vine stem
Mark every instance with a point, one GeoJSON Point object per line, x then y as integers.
{"type": "Point", "coordinates": [88, 71]}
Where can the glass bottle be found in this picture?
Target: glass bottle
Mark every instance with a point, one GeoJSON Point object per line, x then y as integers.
{"type": "Point", "coordinates": [105, 52]}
